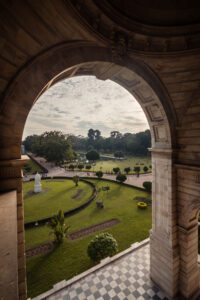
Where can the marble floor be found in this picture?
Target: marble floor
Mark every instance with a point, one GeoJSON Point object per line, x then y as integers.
{"type": "Point", "coordinates": [125, 278]}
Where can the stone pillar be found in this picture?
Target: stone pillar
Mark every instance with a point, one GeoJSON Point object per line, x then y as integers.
{"type": "Point", "coordinates": [11, 180]}
{"type": "Point", "coordinates": [188, 204]}
{"type": "Point", "coordinates": [189, 270]}
{"type": "Point", "coordinates": [164, 252]}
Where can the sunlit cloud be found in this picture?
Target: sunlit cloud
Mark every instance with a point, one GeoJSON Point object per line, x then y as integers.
{"type": "Point", "coordinates": [80, 103]}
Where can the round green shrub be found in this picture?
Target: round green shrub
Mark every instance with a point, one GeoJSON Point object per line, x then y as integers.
{"type": "Point", "coordinates": [101, 246]}
{"type": "Point", "coordinates": [121, 177]}
{"type": "Point", "coordinates": [148, 186]}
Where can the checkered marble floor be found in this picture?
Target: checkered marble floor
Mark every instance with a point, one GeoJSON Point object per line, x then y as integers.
{"type": "Point", "coordinates": [125, 278]}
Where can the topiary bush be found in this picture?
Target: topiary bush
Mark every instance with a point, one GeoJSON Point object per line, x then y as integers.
{"type": "Point", "coordinates": [101, 246]}
{"type": "Point", "coordinates": [71, 167]}
{"type": "Point", "coordinates": [116, 170]}
{"type": "Point", "coordinates": [88, 167]}
{"type": "Point", "coordinates": [145, 169]}
{"type": "Point", "coordinates": [148, 186]}
{"type": "Point", "coordinates": [80, 166]}
{"type": "Point", "coordinates": [127, 170]}
{"type": "Point", "coordinates": [99, 174]}
{"type": "Point", "coordinates": [137, 171]}
{"type": "Point", "coordinates": [121, 177]}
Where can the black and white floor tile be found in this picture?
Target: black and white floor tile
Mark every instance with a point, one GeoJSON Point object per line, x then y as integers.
{"type": "Point", "coordinates": [126, 278]}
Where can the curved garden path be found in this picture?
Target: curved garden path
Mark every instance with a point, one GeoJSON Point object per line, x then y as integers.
{"type": "Point", "coordinates": [57, 171]}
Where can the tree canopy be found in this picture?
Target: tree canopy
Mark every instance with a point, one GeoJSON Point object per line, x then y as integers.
{"type": "Point", "coordinates": [52, 145]}
{"type": "Point", "coordinates": [129, 143]}
{"type": "Point", "coordinates": [92, 155]}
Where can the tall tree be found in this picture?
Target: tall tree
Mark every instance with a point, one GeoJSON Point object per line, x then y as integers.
{"type": "Point", "coordinates": [92, 155]}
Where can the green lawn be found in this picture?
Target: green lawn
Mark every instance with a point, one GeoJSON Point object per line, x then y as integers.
{"type": "Point", "coordinates": [34, 168]}
{"type": "Point", "coordinates": [55, 194]}
{"type": "Point", "coordinates": [70, 258]}
{"type": "Point", "coordinates": [108, 165]}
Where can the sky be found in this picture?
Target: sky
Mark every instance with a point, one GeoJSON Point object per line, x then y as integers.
{"type": "Point", "coordinates": [77, 104]}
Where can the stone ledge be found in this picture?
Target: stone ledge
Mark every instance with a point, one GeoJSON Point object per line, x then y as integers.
{"type": "Point", "coordinates": [108, 260]}
{"type": "Point", "coordinates": [20, 162]}
{"type": "Point", "coordinates": [187, 167]}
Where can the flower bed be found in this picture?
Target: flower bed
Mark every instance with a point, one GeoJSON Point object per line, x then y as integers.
{"type": "Point", "coordinates": [142, 205]}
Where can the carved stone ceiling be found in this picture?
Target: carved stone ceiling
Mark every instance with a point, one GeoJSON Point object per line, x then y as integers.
{"type": "Point", "coordinates": [143, 26]}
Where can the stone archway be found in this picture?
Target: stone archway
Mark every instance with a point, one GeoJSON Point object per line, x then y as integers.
{"type": "Point", "coordinates": [81, 58]}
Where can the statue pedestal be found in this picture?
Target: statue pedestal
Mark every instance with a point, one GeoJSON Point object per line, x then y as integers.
{"type": "Point", "coordinates": [37, 188]}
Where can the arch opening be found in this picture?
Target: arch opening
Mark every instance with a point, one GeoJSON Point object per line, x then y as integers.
{"type": "Point", "coordinates": [82, 59]}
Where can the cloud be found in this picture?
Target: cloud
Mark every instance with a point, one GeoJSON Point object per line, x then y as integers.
{"type": "Point", "coordinates": [77, 104]}
{"type": "Point", "coordinates": [61, 111]}
{"type": "Point", "coordinates": [84, 124]}
{"type": "Point", "coordinates": [97, 106]}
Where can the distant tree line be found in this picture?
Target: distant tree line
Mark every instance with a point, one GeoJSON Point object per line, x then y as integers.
{"type": "Point", "coordinates": [54, 146]}
{"type": "Point", "coordinates": [58, 147]}
{"type": "Point", "coordinates": [129, 143]}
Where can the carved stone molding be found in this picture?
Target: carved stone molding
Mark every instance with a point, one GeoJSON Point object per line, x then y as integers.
{"type": "Point", "coordinates": [125, 34]}
{"type": "Point", "coordinates": [189, 211]}
{"type": "Point", "coordinates": [154, 112]}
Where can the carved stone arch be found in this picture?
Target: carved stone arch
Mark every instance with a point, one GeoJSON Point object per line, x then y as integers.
{"type": "Point", "coordinates": [190, 213]}
{"type": "Point", "coordinates": [83, 58]}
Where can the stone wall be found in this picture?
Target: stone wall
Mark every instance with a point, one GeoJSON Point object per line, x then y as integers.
{"type": "Point", "coordinates": [159, 66]}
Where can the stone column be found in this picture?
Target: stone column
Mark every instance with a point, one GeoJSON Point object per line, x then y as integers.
{"type": "Point", "coordinates": [188, 204]}
{"type": "Point", "coordinates": [11, 180]}
{"type": "Point", "coordinates": [164, 252]}
{"type": "Point", "coordinates": [189, 269]}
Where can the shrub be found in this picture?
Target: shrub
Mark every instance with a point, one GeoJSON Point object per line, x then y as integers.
{"type": "Point", "coordinates": [99, 174]}
{"type": "Point", "coordinates": [121, 177]}
{"type": "Point", "coordinates": [99, 203]}
{"type": "Point", "coordinates": [27, 168]}
{"type": "Point", "coordinates": [80, 166]}
{"type": "Point", "coordinates": [148, 186]}
{"type": "Point", "coordinates": [137, 170]}
{"type": "Point", "coordinates": [76, 179]}
{"type": "Point", "coordinates": [88, 167]}
{"type": "Point", "coordinates": [101, 246]}
{"type": "Point", "coordinates": [116, 170]}
{"type": "Point", "coordinates": [92, 155]}
{"type": "Point", "coordinates": [127, 170]}
{"type": "Point", "coordinates": [71, 167]}
{"type": "Point", "coordinates": [58, 226]}
{"type": "Point", "coordinates": [142, 205]}
{"type": "Point", "coordinates": [119, 154]}
{"type": "Point", "coordinates": [145, 169]}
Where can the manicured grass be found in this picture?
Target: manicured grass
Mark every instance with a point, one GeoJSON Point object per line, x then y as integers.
{"type": "Point", "coordinates": [55, 195]}
{"type": "Point", "coordinates": [34, 168]}
{"type": "Point", "coordinates": [108, 165]}
{"type": "Point", "coordinates": [70, 258]}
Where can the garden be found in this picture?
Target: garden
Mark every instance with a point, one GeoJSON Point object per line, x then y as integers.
{"type": "Point", "coordinates": [107, 166]}
{"type": "Point", "coordinates": [120, 202]}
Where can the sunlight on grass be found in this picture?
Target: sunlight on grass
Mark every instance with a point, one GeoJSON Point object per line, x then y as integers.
{"type": "Point", "coordinates": [70, 258]}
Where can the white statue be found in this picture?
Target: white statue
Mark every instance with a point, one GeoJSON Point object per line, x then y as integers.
{"type": "Point", "coordinates": [37, 186]}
